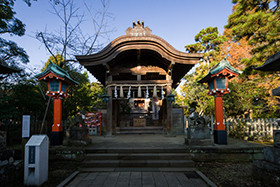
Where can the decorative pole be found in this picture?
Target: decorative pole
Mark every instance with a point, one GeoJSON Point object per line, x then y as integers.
{"type": "Point", "coordinates": [217, 79]}
{"type": "Point", "coordinates": [58, 81]}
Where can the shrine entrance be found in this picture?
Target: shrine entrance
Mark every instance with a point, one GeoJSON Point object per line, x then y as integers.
{"type": "Point", "coordinates": [139, 71]}
{"type": "Point", "coordinates": [138, 114]}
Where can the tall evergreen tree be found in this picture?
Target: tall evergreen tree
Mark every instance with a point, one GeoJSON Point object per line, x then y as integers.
{"type": "Point", "coordinates": [258, 22]}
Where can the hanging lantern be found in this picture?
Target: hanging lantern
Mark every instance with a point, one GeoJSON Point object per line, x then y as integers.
{"type": "Point", "coordinates": [105, 98]}
{"type": "Point", "coordinates": [171, 98]}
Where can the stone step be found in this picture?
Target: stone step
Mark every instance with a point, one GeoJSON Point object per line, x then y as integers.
{"type": "Point", "coordinates": [137, 150]}
{"type": "Point", "coordinates": [138, 156]}
{"type": "Point", "coordinates": [140, 130]}
{"type": "Point", "coordinates": [137, 163]}
{"type": "Point", "coordinates": [138, 169]}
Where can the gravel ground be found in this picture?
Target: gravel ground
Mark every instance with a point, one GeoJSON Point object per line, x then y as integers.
{"type": "Point", "coordinates": [59, 171]}
{"type": "Point", "coordinates": [229, 174]}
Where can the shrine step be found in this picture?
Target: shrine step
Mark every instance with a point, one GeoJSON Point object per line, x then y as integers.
{"type": "Point", "coordinates": [135, 156]}
{"type": "Point", "coordinates": [137, 163]}
{"type": "Point", "coordinates": [140, 130]}
{"type": "Point", "coordinates": [143, 150]}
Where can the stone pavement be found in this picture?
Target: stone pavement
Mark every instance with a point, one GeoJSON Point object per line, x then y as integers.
{"type": "Point", "coordinates": [135, 177]}
{"type": "Point", "coordinates": [138, 179]}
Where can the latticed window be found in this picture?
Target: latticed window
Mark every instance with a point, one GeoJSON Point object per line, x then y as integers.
{"type": "Point", "coordinates": [211, 85]}
{"type": "Point", "coordinates": [54, 86]}
{"type": "Point", "coordinates": [63, 88]}
{"type": "Point", "coordinates": [221, 83]}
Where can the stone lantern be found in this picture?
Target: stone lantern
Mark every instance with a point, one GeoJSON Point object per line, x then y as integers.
{"type": "Point", "coordinates": [171, 98]}
{"type": "Point", "coordinates": [105, 98]}
{"type": "Point", "coordinates": [58, 81]}
{"type": "Point", "coordinates": [217, 79]}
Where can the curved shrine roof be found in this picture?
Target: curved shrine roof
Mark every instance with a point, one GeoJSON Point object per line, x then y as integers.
{"type": "Point", "coordinates": [139, 47]}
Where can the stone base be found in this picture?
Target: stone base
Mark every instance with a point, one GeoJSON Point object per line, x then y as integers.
{"type": "Point", "coordinates": [220, 137]}
{"type": "Point", "coordinates": [56, 138]}
{"type": "Point", "coordinates": [78, 136]}
{"type": "Point", "coordinates": [268, 169]}
{"type": "Point", "coordinates": [276, 138]}
{"type": "Point", "coordinates": [79, 133]}
{"type": "Point", "coordinates": [198, 132]}
{"type": "Point", "coordinates": [267, 172]}
{"type": "Point", "coordinates": [200, 142]}
{"type": "Point", "coordinates": [272, 154]}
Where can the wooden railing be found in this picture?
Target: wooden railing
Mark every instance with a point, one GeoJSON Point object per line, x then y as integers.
{"type": "Point", "coordinates": [248, 128]}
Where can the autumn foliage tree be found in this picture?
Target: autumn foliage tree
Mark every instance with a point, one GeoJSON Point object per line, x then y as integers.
{"type": "Point", "coordinates": [251, 36]}
{"type": "Point", "coordinates": [257, 22]}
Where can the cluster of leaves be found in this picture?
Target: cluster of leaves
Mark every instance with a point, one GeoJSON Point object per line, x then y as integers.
{"type": "Point", "coordinates": [20, 99]}
{"type": "Point", "coordinates": [258, 22]}
{"type": "Point", "coordinates": [20, 94]}
{"type": "Point", "coordinates": [251, 92]}
{"type": "Point", "coordinates": [27, 96]}
{"type": "Point", "coordinates": [10, 52]}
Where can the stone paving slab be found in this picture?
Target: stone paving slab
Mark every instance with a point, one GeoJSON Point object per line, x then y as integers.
{"type": "Point", "coordinates": [138, 179]}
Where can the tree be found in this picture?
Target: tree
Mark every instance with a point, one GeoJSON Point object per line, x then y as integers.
{"type": "Point", "coordinates": [70, 40]}
{"type": "Point", "coordinates": [23, 98]}
{"type": "Point", "coordinates": [258, 22]}
{"type": "Point", "coordinates": [10, 53]}
{"type": "Point", "coordinates": [195, 96]}
{"type": "Point", "coordinates": [208, 42]}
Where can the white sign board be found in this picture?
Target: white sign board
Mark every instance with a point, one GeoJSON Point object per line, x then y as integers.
{"type": "Point", "coordinates": [25, 126]}
{"type": "Point", "coordinates": [36, 160]}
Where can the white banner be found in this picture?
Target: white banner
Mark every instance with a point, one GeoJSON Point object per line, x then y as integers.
{"type": "Point", "coordinates": [25, 126]}
{"type": "Point", "coordinates": [155, 109]}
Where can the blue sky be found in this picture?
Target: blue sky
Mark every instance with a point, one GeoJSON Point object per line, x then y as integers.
{"type": "Point", "coordinates": [176, 21]}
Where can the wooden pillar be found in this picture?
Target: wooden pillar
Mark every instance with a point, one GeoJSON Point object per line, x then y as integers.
{"type": "Point", "coordinates": [109, 113]}
{"type": "Point", "coordinates": [115, 110]}
{"type": "Point", "coordinates": [220, 134]}
{"type": "Point", "coordinates": [56, 136]}
{"type": "Point", "coordinates": [169, 111]}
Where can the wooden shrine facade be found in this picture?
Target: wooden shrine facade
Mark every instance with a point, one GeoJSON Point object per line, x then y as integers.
{"type": "Point", "coordinates": [139, 70]}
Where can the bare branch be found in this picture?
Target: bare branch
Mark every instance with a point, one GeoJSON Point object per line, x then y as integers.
{"type": "Point", "coordinates": [45, 43]}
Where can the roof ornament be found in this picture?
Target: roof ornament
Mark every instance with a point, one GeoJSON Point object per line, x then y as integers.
{"type": "Point", "coordinates": [138, 29]}
{"type": "Point", "coordinates": [138, 24]}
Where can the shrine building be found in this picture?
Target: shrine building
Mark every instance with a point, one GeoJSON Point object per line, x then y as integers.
{"type": "Point", "coordinates": [139, 71]}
